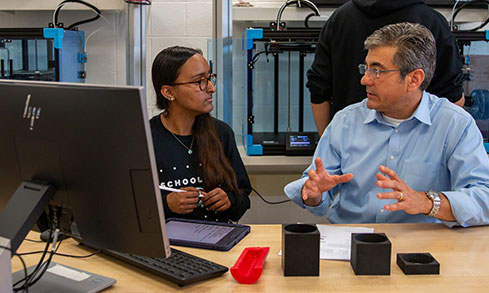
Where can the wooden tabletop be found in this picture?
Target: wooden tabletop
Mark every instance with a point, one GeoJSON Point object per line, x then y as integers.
{"type": "Point", "coordinates": [463, 254]}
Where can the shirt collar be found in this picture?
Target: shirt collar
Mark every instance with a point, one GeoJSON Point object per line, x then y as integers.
{"type": "Point", "coordinates": [422, 113]}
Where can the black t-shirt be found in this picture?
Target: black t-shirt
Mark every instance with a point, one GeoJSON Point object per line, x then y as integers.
{"type": "Point", "coordinates": [334, 73]}
{"type": "Point", "coordinates": [177, 168]}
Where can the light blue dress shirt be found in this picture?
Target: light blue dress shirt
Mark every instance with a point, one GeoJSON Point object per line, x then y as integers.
{"type": "Point", "coordinates": [438, 148]}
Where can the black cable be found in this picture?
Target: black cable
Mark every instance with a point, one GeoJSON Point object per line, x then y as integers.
{"type": "Point", "coordinates": [39, 264]}
{"type": "Point", "coordinates": [306, 20]}
{"type": "Point", "coordinates": [269, 202]}
{"type": "Point", "coordinates": [32, 240]}
{"type": "Point", "coordinates": [64, 255]}
{"type": "Point", "coordinates": [46, 265]}
{"type": "Point", "coordinates": [25, 287]}
{"type": "Point", "coordinates": [254, 59]}
{"type": "Point", "coordinates": [95, 9]}
{"type": "Point", "coordinates": [466, 4]}
{"type": "Point", "coordinates": [143, 2]}
{"type": "Point", "coordinates": [40, 267]}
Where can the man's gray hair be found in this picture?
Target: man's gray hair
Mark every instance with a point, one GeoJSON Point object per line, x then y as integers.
{"type": "Point", "coordinates": [416, 47]}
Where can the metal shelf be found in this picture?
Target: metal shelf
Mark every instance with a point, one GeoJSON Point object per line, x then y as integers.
{"type": "Point", "coordinates": [52, 4]}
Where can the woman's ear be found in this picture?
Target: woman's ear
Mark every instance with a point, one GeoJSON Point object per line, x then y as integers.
{"type": "Point", "coordinates": [167, 92]}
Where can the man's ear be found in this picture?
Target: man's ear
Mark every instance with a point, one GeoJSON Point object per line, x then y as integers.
{"type": "Point", "coordinates": [415, 79]}
{"type": "Point", "coordinates": [167, 92]}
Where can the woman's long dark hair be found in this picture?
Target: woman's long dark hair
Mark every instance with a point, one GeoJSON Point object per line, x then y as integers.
{"type": "Point", "coordinates": [216, 169]}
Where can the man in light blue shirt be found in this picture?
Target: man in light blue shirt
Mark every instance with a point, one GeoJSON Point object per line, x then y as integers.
{"type": "Point", "coordinates": [402, 154]}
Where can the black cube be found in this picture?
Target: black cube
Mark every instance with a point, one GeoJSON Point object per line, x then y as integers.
{"type": "Point", "coordinates": [300, 250]}
{"type": "Point", "coordinates": [370, 254]}
{"type": "Point", "coordinates": [418, 264]}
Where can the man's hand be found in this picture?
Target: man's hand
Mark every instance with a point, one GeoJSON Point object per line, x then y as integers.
{"type": "Point", "coordinates": [409, 200]}
{"type": "Point", "coordinates": [216, 200]}
{"type": "Point", "coordinates": [183, 202]}
{"type": "Point", "coordinates": [320, 181]}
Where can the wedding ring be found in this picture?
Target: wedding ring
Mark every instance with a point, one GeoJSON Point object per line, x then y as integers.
{"type": "Point", "coordinates": [401, 196]}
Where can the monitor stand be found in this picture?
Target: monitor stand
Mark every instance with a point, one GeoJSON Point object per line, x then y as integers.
{"type": "Point", "coordinates": [17, 218]}
{"type": "Point", "coordinates": [5, 268]}
{"type": "Point", "coordinates": [62, 278]}
{"type": "Point", "coordinates": [22, 211]}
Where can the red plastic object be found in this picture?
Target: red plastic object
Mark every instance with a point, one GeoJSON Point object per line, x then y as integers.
{"type": "Point", "coordinates": [248, 267]}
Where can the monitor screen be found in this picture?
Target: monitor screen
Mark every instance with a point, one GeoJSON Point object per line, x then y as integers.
{"type": "Point", "coordinates": [91, 147]}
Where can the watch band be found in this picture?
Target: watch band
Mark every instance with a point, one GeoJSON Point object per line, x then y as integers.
{"type": "Point", "coordinates": [436, 199]}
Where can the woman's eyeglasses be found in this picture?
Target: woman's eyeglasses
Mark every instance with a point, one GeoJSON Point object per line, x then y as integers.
{"type": "Point", "coordinates": [203, 81]}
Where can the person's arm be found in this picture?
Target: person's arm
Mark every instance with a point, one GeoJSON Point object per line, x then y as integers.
{"type": "Point", "coordinates": [240, 201]}
{"type": "Point", "coordinates": [319, 81]}
{"type": "Point", "coordinates": [303, 191]}
{"type": "Point", "coordinates": [409, 200]}
{"type": "Point", "coordinates": [467, 203]}
{"type": "Point", "coordinates": [320, 181]}
{"type": "Point", "coordinates": [321, 113]}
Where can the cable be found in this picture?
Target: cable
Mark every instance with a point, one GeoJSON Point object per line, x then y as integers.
{"type": "Point", "coordinates": [452, 15]}
{"type": "Point", "coordinates": [307, 3]}
{"type": "Point", "coordinates": [64, 255]}
{"type": "Point", "coordinates": [42, 265]}
{"type": "Point", "coordinates": [484, 23]}
{"type": "Point", "coordinates": [46, 264]}
{"type": "Point", "coordinates": [25, 287]}
{"type": "Point", "coordinates": [39, 264]}
{"type": "Point", "coordinates": [32, 240]}
{"type": "Point", "coordinates": [56, 12]}
{"type": "Point", "coordinates": [96, 31]}
{"type": "Point", "coordinates": [269, 202]}
{"type": "Point", "coordinates": [138, 2]}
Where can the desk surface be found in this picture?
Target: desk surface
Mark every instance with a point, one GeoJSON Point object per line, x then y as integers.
{"type": "Point", "coordinates": [463, 254]}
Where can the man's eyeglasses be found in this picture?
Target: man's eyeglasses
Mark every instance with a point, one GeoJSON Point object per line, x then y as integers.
{"type": "Point", "coordinates": [203, 81]}
{"type": "Point", "coordinates": [362, 68]}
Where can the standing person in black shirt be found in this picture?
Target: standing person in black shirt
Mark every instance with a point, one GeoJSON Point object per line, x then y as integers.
{"type": "Point", "coordinates": [195, 152]}
{"type": "Point", "coordinates": [333, 79]}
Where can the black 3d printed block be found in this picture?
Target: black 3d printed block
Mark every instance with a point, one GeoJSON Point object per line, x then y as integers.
{"type": "Point", "coordinates": [370, 254]}
{"type": "Point", "coordinates": [300, 250]}
{"type": "Point", "coordinates": [418, 264]}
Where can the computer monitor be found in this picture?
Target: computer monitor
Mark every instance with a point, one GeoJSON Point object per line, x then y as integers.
{"type": "Point", "coordinates": [85, 151]}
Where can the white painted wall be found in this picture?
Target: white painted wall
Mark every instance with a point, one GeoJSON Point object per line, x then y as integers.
{"type": "Point", "coordinates": [175, 22]}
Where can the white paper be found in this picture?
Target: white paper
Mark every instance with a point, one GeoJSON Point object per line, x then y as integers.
{"type": "Point", "coordinates": [336, 241]}
{"type": "Point", "coordinates": [68, 273]}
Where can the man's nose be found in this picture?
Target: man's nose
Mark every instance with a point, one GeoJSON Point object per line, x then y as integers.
{"type": "Point", "coordinates": [366, 79]}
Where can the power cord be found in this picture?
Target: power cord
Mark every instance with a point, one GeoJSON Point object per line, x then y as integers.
{"type": "Point", "coordinates": [60, 5]}
{"type": "Point", "coordinates": [457, 10]}
{"type": "Point", "coordinates": [24, 287]}
{"type": "Point", "coordinates": [269, 202]}
{"type": "Point", "coordinates": [64, 255]}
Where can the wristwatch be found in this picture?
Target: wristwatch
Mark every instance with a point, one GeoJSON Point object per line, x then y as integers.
{"type": "Point", "coordinates": [436, 199]}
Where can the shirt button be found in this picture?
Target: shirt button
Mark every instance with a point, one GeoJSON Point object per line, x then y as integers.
{"type": "Point", "coordinates": [396, 131]}
{"type": "Point", "coordinates": [382, 210]}
{"type": "Point", "coordinates": [392, 157]}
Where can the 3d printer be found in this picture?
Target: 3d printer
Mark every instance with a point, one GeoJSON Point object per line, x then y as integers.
{"type": "Point", "coordinates": [47, 54]}
{"type": "Point", "coordinates": [275, 41]}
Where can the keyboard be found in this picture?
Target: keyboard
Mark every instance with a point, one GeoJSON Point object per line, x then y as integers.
{"type": "Point", "coordinates": [181, 268]}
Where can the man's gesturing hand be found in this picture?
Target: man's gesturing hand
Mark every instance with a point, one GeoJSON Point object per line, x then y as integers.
{"type": "Point", "coordinates": [320, 181]}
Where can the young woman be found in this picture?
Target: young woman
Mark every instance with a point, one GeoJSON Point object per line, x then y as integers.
{"type": "Point", "coordinates": [195, 152]}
